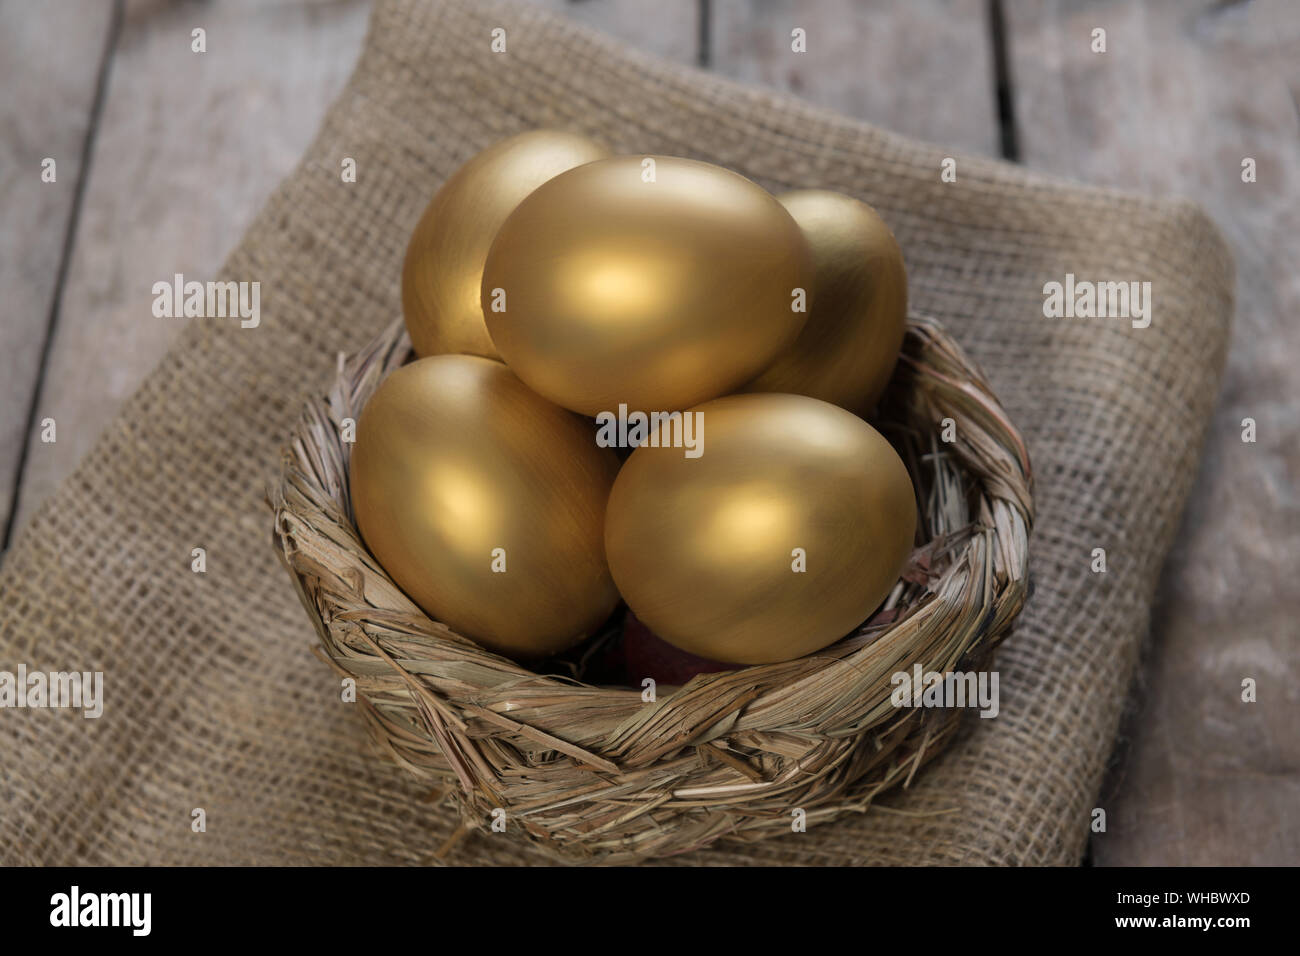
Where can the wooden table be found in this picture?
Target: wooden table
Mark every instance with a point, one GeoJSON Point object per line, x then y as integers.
{"type": "Point", "coordinates": [162, 157]}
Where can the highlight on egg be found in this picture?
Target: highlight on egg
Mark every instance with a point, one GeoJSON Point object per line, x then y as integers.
{"type": "Point", "coordinates": [443, 268]}
{"type": "Point", "coordinates": [650, 281]}
{"type": "Point", "coordinates": [485, 503]}
{"type": "Point", "coordinates": [783, 537]}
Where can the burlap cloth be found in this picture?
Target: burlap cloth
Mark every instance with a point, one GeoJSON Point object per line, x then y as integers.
{"type": "Point", "coordinates": [213, 698]}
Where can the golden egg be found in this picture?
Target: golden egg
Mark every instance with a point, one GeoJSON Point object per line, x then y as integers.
{"type": "Point", "coordinates": [847, 349]}
{"type": "Point", "coordinates": [485, 503]}
{"type": "Point", "coordinates": [651, 281]}
{"type": "Point", "coordinates": [444, 260]}
{"type": "Point", "coordinates": [782, 536]}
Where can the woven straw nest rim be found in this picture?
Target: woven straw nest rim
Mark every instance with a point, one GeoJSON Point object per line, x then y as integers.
{"type": "Point", "coordinates": [590, 773]}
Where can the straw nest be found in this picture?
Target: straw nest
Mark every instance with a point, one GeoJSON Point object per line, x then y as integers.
{"type": "Point", "coordinates": [596, 773]}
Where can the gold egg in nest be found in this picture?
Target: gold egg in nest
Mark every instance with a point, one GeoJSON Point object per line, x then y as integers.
{"type": "Point", "coordinates": [654, 282]}
{"type": "Point", "coordinates": [783, 535]}
{"type": "Point", "coordinates": [846, 352]}
{"type": "Point", "coordinates": [485, 503]}
{"type": "Point", "coordinates": [443, 268]}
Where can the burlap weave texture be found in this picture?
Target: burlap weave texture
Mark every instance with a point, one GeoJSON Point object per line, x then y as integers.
{"type": "Point", "coordinates": [213, 698]}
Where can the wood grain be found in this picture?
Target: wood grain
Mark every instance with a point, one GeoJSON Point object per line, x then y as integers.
{"type": "Point", "coordinates": [189, 146]}
{"type": "Point", "coordinates": [43, 113]}
{"type": "Point", "coordinates": [920, 67]}
{"type": "Point", "coordinates": [1183, 93]}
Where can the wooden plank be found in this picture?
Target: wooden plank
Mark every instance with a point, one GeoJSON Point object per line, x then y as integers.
{"type": "Point", "coordinates": [666, 28]}
{"type": "Point", "coordinates": [189, 147]}
{"type": "Point", "coordinates": [920, 67]}
{"type": "Point", "coordinates": [1184, 92]}
{"type": "Point", "coordinates": [44, 113]}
